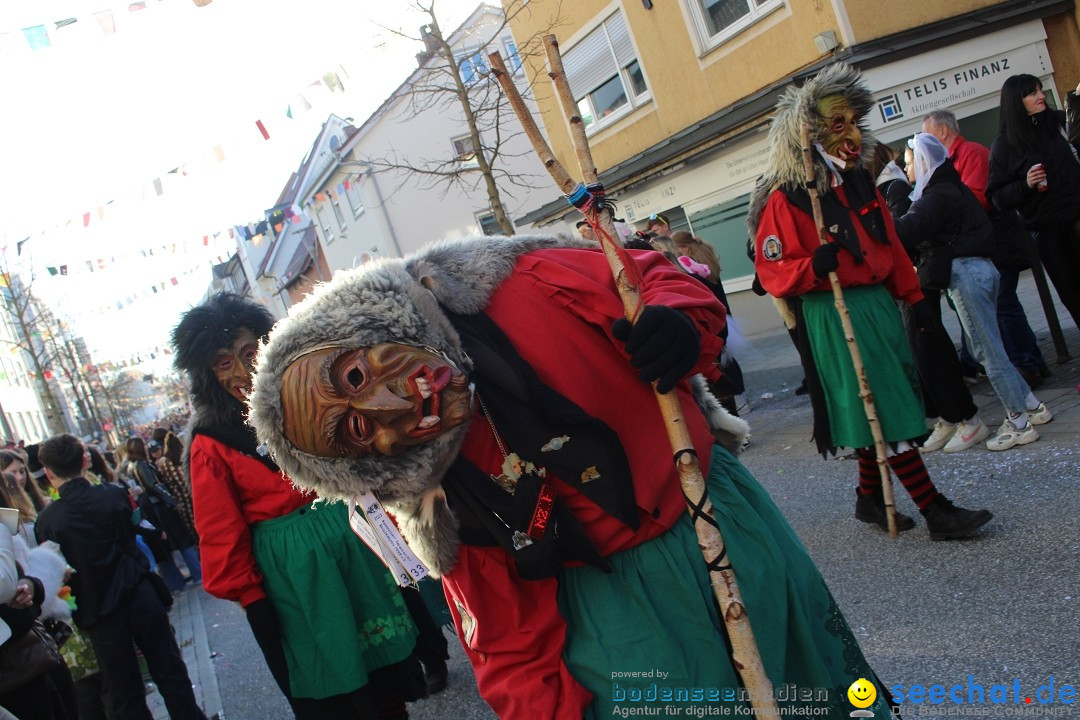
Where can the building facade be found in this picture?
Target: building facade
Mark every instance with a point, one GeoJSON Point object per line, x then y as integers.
{"type": "Point", "coordinates": [677, 96]}
{"type": "Point", "coordinates": [389, 193]}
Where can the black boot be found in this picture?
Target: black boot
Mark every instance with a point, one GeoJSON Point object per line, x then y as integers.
{"type": "Point", "coordinates": [871, 509]}
{"type": "Point", "coordinates": [944, 520]}
{"type": "Point", "coordinates": [436, 675]}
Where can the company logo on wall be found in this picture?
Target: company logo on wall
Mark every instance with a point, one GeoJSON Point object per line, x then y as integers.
{"type": "Point", "coordinates": [890, 108]}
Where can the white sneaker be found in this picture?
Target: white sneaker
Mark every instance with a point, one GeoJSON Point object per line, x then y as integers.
{"type": "Point", "coordinates": [967, 435]}
{"type": "Point", "coordinates": [1009, 436]}
{"type": "Point", "coordinates": [943, 432]}
{"type": "Point", "coordinates": [1040, 415]}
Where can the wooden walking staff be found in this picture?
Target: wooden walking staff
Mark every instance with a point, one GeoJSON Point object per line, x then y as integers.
{"type": "Point", "coordinates": [849, 335]}
{"type": "Point", "coordinates": [745, 655]}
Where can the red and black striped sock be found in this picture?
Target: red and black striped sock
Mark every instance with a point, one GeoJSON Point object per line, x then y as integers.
{"type": "Point", "coordinates": [916, 480]}
{"type": "Point", "coordinates": [869, 477]}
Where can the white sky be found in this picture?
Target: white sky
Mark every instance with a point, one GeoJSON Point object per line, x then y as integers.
{"type": "Point", "coordinates": [96, 118]}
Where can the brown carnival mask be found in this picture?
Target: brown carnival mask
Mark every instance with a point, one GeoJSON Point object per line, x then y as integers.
{"type": "Point", "coordinates": [232, 365]}
{"type": "Point", "coordinates": [382, 400]}
{"type": "Point", "coordinates": [842, 137]}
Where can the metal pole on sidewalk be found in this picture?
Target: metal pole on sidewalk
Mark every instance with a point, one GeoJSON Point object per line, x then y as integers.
{"type": "Point", "coordinates": [1047, 301]}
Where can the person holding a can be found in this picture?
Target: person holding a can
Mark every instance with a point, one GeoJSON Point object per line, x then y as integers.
{"type": "Point", "coordinates": [1034, 169]}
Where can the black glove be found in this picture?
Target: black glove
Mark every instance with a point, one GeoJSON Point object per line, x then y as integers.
{"type": "Point", "coordinates": [825, 259]}
{"type": "Point", "coordinates": [924, 316]}
{"type": "Point", "coordinates": [757, 287]}
{"type": "Point", "coordinates": [664, 344]}
{"type": "Point", "coordinates": [263, 619]}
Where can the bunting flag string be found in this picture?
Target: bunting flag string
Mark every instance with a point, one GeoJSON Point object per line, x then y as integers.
{"type": "Point", "coordinates": [98, 264]}
{"type": "Point", "coordinates": [39, 37]}
{"type": "Point", "coordinates": [156, 288]}
{"type": "Point", "coordinates": [330, 83]}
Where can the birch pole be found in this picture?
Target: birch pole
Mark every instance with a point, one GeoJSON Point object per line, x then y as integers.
{"type": "Point", "coordinates": [849, 336]}
{"type": "Point", "coordinates": [588, 197]}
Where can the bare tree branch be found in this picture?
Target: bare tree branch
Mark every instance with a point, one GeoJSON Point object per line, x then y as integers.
{"type": "Point", "coordinates": [453, 78]}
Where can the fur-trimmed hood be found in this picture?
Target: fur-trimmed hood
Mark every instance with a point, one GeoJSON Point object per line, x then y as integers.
{"type": "Point", "coordinates": [390, 300]}
{"type": "Point", "coordinates": [402, 300]}
{"type": "Point", "coordinates": [785, 168]}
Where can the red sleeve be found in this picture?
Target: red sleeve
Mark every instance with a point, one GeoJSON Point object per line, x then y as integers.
{"type": "Point", "coordinates": [903, 283]}
{"type": "Point", "coordinates": [667, 285]}
{"type": "Point", "coordinates": [228, 564]}
{"type": "Point", "coordinates": [784, 248]}
{"type": "Point", "coordinates": [581, 281]}
{"type": "Point", "coordinates": [974, 169]}
{"type": "Point", "coordinates": [514, 635]}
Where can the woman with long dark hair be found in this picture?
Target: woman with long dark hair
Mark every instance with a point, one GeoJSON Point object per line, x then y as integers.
{"type": "Point", "coordinates": [159, 507]}
{"type": "Point", "coordinates": [1034, 169]}
{"type": "Point", "coordinates": [15, 463]}
{"type": "Point", "coordinates": [326, 613]}
{"type": "Point", "coordinates": [169, 464]}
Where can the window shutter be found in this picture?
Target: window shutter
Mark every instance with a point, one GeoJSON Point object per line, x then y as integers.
{"type": "Point", "coordinates": [620, 40]}
{"type": "Point", "coordinates": [589, 64]}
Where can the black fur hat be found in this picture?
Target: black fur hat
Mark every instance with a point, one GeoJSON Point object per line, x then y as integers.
{"type": "Point", "coordinates": [196, 339]}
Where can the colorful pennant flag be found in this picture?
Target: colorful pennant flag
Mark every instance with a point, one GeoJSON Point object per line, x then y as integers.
{"type": "Point", "coordinates": [262, 129]}
{"type": "Point", "coordinates": [37, 36]}
{"type": "Point", "coordinates": [106, 22]}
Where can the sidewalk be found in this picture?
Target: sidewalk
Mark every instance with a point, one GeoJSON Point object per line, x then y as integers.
{"type": "Point", "coordinates": [772, 371]}
{"type": "Point", "coordinates": [186, 617]}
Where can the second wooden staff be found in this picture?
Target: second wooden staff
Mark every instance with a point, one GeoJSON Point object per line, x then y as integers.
{"type": "Point", "coordinates": [849, 336]}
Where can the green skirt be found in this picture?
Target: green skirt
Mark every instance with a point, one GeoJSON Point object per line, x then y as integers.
{"type": "Point", "coordinates": [341, 612]}
{"type": "Point", "coordinates": [631, 621]}
{"type": "Point", "coordinates": [894, 382]}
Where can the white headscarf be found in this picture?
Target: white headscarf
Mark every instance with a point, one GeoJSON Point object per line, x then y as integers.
{"type": "Point", "coordinates": [930, 154]}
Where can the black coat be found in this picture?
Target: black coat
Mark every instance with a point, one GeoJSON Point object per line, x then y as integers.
{"type": "Point", "coordinates": [1007, 186]}
{"type": "Point", "coordinates": [93, 526]}
{"type": "Point", "coordinates": [946, 222]}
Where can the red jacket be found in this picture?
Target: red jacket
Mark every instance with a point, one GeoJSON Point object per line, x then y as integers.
{"type": "Point", "coordinates": [557, 309]}
{"type": "Point", "coordinates": [230, 492]}
{"type": "Point", "coordinates": [785, 270]}
{"type": "Point", "coordinates": [972, 161]}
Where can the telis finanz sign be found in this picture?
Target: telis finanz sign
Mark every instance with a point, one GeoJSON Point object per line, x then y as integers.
{"type": "Point", "coordinates": [956, 85]}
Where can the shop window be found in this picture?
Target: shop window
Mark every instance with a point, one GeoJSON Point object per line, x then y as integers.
{"type": "Point", "coordinates": [724, 227]}
{"type": "Point", "coordinates": [718, 20]}
{"type": "Point", "coordinates": [604, 74]}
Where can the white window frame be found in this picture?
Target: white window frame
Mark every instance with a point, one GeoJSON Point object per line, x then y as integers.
{"type": "Point", "coordinates": [473, 62]}
{"type": "Point", "coordinates": [338, 214]}
{"type": "Point", "coordinates": [758, 10]}
{"type": "Point", "coordinates": [324, 223]}
{"type": "Point", "coordinates": [617, 55]}
{"type": "Point", "coordinates": [352, 196]}
{"type": "Point", "coordinates": [480, 224]}
{"type": "Point", "coordinates": [464, 159]}
{"type": "Point", "coordinates": [513, 58]}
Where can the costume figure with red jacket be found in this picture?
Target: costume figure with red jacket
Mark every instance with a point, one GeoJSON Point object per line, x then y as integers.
{"type": "Point", "coordinates": [875, 271]}
{"type": "Point", "coordinates": [326, 613]}
{"type": "Point", "coordinates": [492, 395]}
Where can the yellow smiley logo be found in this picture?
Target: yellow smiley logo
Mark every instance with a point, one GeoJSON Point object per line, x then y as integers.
{"type": "Point", "coordinates": [862, 693]}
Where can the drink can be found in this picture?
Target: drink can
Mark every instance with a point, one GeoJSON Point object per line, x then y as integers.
{"type": "Point", "coordinates": [1042, 185]}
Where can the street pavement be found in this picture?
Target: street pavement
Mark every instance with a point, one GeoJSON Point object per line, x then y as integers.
{"type": "Point", "coordinates": [1001, 606]}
